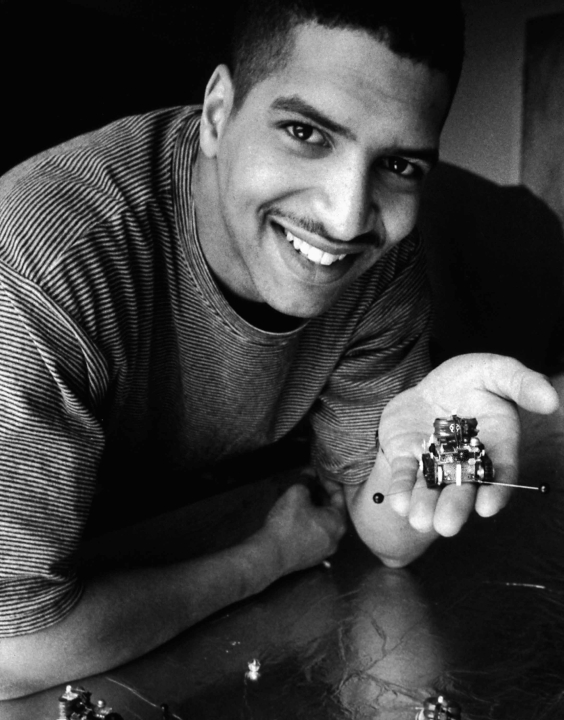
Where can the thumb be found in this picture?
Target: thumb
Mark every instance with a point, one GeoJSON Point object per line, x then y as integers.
{"type": "Point", "coordinates": [509, 378]}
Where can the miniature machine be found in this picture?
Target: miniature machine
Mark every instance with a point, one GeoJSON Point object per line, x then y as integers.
{"type": "Point", "coordinates": [75, 704]}
{"type": "Point", "coordinates": [455, 455]}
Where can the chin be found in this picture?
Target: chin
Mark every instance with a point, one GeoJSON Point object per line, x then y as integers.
{"type": "Point", "coordinates": [302, 311]}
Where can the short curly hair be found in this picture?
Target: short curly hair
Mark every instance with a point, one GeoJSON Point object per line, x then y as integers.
{"type": "Point", "coordinates": [425, 31]}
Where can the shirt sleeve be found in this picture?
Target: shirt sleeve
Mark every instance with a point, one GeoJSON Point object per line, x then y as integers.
{"type": "Point", "coordinates": [387, 353]}
{"type": "Point", "coordinates": [52, 383]}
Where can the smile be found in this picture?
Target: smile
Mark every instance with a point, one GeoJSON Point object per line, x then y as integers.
{"type": "Point", "coordinates": [313, 254]}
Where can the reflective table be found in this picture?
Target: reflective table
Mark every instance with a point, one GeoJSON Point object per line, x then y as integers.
{"type": "Point", "coordinates": [479, 618]}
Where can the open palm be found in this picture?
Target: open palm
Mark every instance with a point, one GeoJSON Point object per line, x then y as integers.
{"type": "Point", "coordinates": [487, 387]}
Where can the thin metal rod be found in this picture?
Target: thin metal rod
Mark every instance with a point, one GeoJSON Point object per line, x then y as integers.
{"type": "Point", "coordinates": [523, 487]}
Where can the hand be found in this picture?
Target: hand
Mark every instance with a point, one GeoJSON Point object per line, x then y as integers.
{"type": "Point", "coordinates": [302, 533]}
{"type": "Point", "coordinates": [487, 387]}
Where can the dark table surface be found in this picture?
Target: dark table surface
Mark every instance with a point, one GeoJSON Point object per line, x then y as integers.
{"type": "Point", "coordinates": [480, 618]}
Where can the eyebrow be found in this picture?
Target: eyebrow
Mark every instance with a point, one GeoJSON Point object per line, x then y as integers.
{"type": "Point", "coordinates": [429, 156]}
{"type": "Point", "coordinates": [295, 104]}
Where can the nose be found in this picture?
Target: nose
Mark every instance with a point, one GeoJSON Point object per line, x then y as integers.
{"type": "Point", "coordinates": [347, 203]}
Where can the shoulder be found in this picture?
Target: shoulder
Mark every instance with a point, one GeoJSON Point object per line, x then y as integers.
{"type": "Point", "coordinates": [54, 198]}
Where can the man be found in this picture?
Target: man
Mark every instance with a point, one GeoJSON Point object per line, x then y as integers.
{"type": "Point", "coordinates": [183, 289]}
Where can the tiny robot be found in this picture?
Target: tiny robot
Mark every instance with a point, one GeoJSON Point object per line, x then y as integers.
{"type": "Point", "coordinates": [440, 708]}
{"type": "Point", "coordinates": [75, 704]}
{"type": "Point", "coordinates": [455, 455]}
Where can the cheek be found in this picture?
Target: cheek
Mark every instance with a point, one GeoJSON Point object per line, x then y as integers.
{"type": "Point", "coordinates": [399, 214]}
{"type": "Point", "coordinates": [254, 175]}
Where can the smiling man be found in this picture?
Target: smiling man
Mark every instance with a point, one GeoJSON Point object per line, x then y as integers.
{"type": "Point", "coordinates": [186, 288]}
{"type": "Point", "coordinates": [318, 173]}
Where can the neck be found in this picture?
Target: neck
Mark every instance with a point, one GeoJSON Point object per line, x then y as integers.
{"type": "Point", "coordinates": [208, 218]}
{"type": "Point", "coordinates": [261, 315]}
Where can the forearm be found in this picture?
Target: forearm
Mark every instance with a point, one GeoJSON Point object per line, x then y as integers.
{"type": "Point", "coordinates": [387, 534]}
{"type": "Point", "coordinates": [125, 614]}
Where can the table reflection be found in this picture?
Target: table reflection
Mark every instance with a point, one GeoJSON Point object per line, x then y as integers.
{"type": "Point", "coordinates": [479, 618]}
{"type": "Point", "coordinates": [333, 642]}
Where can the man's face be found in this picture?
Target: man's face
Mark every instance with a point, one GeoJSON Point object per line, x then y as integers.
{"type": "Point", "coordinates": [319, 172]}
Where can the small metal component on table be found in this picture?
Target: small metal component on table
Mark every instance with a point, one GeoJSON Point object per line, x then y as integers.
{"type": "Point", "coordinates": [75, 704]}
{"type": "Point", "coordinates": [440, 708]}
{"type": "Point", "coordinates": [253, 670]}
{"type": "Point", "coordinates": [68, 703]}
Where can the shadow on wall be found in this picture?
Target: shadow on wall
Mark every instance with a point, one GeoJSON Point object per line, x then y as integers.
{"type": "Point", "coordinates": [496, 255]}
{"type": "Point", "coordinates": [496, 265]}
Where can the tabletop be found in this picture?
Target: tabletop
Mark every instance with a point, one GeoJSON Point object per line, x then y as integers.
{"type": "Point", "coordinates": [479, 618]}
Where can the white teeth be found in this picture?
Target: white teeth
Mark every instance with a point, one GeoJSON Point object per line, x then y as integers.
{"type": "Point", "coordinates": [312, 253]}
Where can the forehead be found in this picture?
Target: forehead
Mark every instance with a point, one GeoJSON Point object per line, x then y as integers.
{"type": "Point", "coordinates": [357, 80]}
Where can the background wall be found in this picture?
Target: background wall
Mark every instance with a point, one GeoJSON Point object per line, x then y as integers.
{"type": "Point", "coordinates": [483, 132]}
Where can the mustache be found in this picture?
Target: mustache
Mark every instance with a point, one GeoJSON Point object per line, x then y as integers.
{"type": "Point", "coordinates": [318, 228]}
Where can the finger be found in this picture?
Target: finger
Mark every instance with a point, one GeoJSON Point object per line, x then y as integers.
{"type": "Point", "coordinates": [454, 506]}
{"type": "Point", "coordinates": [529, 389]}
{"type": "Point", "coordinates": [404, 475]}
{"type": "Point", "coordinates": [334, 505]}
{"type": "Point", "coordinates": [297, 494]}
{"type": "Point", "coordinates": [335, 493]}
{"type": "Point", "coordinates": [338, 501]}
{"type": "Point", "coordinates": [423, 504]}
{"type": "Point", "coordinates": [492, 498]}
{"type": "Point", "coordinates": [335, 521]}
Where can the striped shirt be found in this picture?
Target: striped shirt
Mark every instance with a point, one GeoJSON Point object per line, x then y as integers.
{"type": "Point", "coordinates": [123, 366]}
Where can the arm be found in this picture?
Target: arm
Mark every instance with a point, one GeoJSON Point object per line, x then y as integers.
{"type": "Point", "coordinates": [386, 354]}
{"type": "Point", "coordinates": [126, 613]}
{"type": "Point", "coordinates": [487, 387]}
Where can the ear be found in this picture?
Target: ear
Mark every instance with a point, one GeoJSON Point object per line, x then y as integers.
{"type": "Point", "coordinates": [218, 102]}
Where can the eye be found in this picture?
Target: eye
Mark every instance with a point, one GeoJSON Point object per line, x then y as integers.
{"type": "Point", "coordinates": [306, 134]}
{"type": "Point", "coordinates": [401, 166]}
